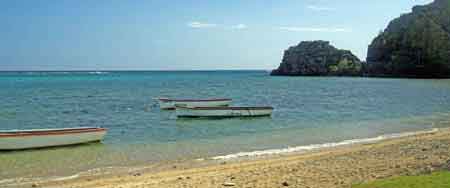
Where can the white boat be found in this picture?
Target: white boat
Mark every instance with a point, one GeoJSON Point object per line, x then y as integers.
{"type": "Point", "coordinates": [169, 104]}
{"type": "Point", "coordinates": [40, 138]}
{"type": "Point", "coordinates": [222, 112]}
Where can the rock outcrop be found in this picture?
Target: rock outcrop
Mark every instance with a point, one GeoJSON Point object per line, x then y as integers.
{"type": "Point", "coordinates": [318, 58]}
{"type": "Point", "coordinates": [414, 45]}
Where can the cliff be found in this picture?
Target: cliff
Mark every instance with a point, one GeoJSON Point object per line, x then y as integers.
{"type": "Point", "coordinates": [416, 44]}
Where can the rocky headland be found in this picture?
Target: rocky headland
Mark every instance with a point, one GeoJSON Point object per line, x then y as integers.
{"type": "Point", "coordinates": [318, 58]}
{"type": "Point", "coordinates": [415, 45]}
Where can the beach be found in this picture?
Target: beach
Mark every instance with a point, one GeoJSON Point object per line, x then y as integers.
{"type": "Point", "coordinates": [422, 153]}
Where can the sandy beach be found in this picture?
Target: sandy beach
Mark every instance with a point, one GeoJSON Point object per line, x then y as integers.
{"type": "Point", "coordinates": [333, 167]}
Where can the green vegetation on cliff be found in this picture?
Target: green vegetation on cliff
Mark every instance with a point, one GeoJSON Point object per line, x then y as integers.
{"type": "Point", "coordinates": [318, 58]}
{"type": "Point", "coordinates": [414, 45]}
{"type": "Point", "coordinates": [434, 180]}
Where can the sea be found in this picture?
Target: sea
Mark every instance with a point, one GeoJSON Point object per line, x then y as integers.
{"type": "Point", "coordinates": [310, 112]}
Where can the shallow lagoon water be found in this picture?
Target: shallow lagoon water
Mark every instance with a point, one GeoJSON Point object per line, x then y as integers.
{"type": "Point", "coordinates": [308, 110]}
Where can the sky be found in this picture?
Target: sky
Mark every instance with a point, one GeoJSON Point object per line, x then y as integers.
{"type": "Point", "coordinates": [181, 34]}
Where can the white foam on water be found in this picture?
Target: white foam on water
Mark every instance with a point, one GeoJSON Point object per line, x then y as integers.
{"type": "Point", "coordinates": [18, 181]}
{"type": "Point", "coordinates": [7, 181]}
{"type": "Point", "coordinates": [66, 177]}
{"type": "Point", "coordinates": [98, 72]}
{"type": "Point", "coordinates": [319, 146]}
{"type": "Point", "coordinates": [24, 181]}
{"type": "Point", "coordinates": [200, 159]}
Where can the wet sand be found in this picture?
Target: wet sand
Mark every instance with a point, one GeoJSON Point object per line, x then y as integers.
{"type": "Point", "coordinates": [332, 167]}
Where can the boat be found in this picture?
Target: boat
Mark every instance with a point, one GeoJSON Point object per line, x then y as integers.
{"type": "Point", "coordinates": [222, 112]}
{"type": "Point", "coordinates": [169, 104]}
{"type": "Point", "coordinates": [41, 138]}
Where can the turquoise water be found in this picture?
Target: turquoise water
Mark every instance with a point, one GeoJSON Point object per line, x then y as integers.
{"type": "Point", "coordinates": [308, 110]}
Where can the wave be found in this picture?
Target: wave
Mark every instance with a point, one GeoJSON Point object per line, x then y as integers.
{"type": "Point", "coordinates": [25, 181]}
{"type": "Point", "coordinates": [20, 181]}
{"type": "Point", "coordinates": [319, 146]}
{"type": "Point", "coordinates": [44, 73]}
{"type": "Point", "coordinates": [98, 72]}
{"type": "Point", "coordinates": [41, 73]}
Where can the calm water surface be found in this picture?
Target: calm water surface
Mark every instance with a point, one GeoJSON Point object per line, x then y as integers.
{"type": "Point", "coordinates": [308, 110]}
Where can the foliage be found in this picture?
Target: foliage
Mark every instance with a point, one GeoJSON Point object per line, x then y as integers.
{"type": "Point", "coordinates": [414, 45]}
{"type": "Point", "coordinates": [434, 180]}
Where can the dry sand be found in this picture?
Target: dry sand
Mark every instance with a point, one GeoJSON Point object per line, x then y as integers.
{"type": "Point", "coordinates": [333, 167]}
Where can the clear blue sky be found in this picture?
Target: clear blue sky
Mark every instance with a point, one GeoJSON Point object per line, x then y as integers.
{"type": "Point", "coordinates": [167, 35]}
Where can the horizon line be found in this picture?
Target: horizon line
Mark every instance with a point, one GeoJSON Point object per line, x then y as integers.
{"type": "Point", "coordinates": [134, 70]}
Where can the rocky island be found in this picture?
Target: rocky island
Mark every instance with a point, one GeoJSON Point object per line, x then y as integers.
{"type": "Point", "coordinates": [318, 58]}
{"type": "Point", "coordinates": [415, 45]}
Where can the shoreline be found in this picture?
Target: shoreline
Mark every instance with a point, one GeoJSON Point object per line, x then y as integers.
{"type": "Point", "coordinates": [276, 169]}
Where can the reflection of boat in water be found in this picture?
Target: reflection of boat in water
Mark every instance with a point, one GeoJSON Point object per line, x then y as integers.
{"type": "Point", "coordinates": [169, 104]}
{"type": "Point", "coordinates": [223, 112]}
{"type": "Point", "coordinates": [40, 138]}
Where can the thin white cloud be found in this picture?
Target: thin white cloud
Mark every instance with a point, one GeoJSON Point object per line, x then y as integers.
{"type": "Point", "coordinates": [200, 25]}
{"type": "Point", "coordinates": [319, 8]}
{"type": "Point", "coordinates": [239, 26]}
{"type": "Point", "coordinates": [315, 29]}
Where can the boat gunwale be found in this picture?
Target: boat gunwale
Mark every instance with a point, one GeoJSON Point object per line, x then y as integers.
{"type": "Point", "coordinates": [193, 100]}
{"type": "Point", "coordinates": [221, 117]}
{"type": "Point", "coordinates": [48, 132]}
{"type": "Point", "coordinates": [227, 108]}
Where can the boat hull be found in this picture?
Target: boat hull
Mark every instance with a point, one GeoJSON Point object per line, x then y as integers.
{"type": "Point", "coordinates": [168, 104]}
{"type": "Point", "coordinates": [32, 139]}
{"type": "Point", "coordinates": [223, 112]}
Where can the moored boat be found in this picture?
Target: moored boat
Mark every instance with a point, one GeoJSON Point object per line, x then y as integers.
{"type": "Point", "coordinates": [40, 138]}
{"type": "Point", "coordinates": [169, 104]}
{"type": "Point", "coordinates": [223, 112]}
